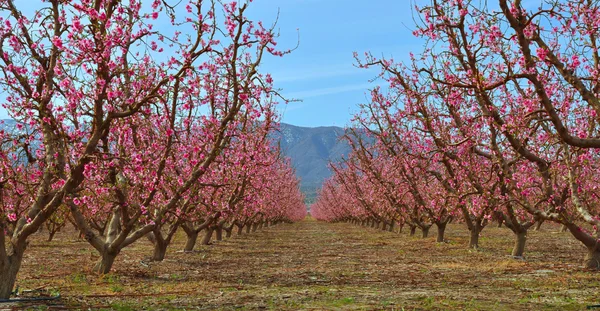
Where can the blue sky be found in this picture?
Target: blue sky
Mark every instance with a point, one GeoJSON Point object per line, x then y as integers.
{"type": "Point", "coordinates": [321, 71]}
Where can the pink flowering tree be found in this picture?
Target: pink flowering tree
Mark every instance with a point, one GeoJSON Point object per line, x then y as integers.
{"type": "Point", "coordinates": [74, 73]}
{"type": "Point", "coordinates": [537, 89]}
{"type": "Point", "coordinates": [70, 70]}
{"type": "Point", "coordinates": [412, 128]}
{"type": "Point", "coordinates": [216, 93]}
{"type": "Point", "coordinates": [220, 200]}
{"type": "Point", "coordinates": [330, 195]}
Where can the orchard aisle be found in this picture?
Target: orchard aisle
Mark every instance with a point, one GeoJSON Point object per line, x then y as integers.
{"type": "Point", "coordinates": [320, 266]}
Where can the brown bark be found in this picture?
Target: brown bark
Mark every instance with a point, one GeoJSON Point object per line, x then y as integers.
{"type": "Point", "coordinates": [519, 248]}
{"type": "Point", "coordinates": [192, 232]}
{"type": "Point", "coordinates": [105, 263]}
{"type": "Point", "coordinates": [53, 227]}
{"type": "Point", "coordinates": [208, 235]}
{"type": "Point", "coordinates": [160, 250]}
{"type": "Point", "coordinates": [475, 227]}
{"type": "Point", "coordinates": [51, 235]}
{"type": "Point", "coordinates": [413, 230]}
{"type": "Point", "coordinates": [592, 258]}
{"type": "Point", "coordinates": [192, 236]}
{"type": "Point", "coordinates": [538, 224]}
{"type": "Point", "coordinates": [441, 229]}
{"type": "Point", "coordinates": [474, 239]}
{"type": "Point", "coordinates": [161, 242]}
{"type": "Point", "coordinates": [219, 232]}
{"type": "Point", "coordinates": [425, 231]}
{"type": "Point", "coordinates": [9, 268]}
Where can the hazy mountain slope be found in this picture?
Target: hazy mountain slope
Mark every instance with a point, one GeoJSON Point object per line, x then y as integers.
{"type": "Point", "coordinates": [311, 150]}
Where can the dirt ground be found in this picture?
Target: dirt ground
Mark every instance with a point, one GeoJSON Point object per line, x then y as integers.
{"type": "Point", "coordinates": [313, 265]}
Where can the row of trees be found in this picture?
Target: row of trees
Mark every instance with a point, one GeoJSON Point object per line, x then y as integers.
{"type": "Point", "coordinates": [137, 118]}
{"type": "Point", "coordinates": [498, 118]}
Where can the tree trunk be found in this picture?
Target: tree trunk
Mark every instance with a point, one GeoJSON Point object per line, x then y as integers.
{"type": "Point", "coordinates": [500, 218]}
{"type": "Point", "coordinates": [107, 259]}
{"type": "Point", "coordinates": [441, 229]}
{"type": "Point", "coordinates": [248, 227]}
{"type": "Point", "coordinates": [538, 224]}
{"type": "Point", "coordinates": [391, 227]}
{"type": "Point", "coordinates": [519, 248]}
{"type": "Point", "coordinates": [8, 273]}
{"type": "Point", "coordinates": [384, 226]}
{"type": "Point", "coordinates": [208, 235]}
{"type": "Point", "coordinates": [51, 235]}
{"type": "Point", "coordinates": [260, 225]}
{"type": "Point", "coordinates": [191, 241]}
{"type": "Point", "coordinates": [240, 230]}
{"type": "Point", "coordinates": [228, 232]}
{"type": "Point", "coordinates": [474, 241]}
{"type": "Point", "coordinates": [413, 230]}
{"type": "Point", "coordinates": [105, 263]}
{"type": "Point", "coordinates": [372, 223]}
{"type": "Point", "coordinates": [254, 227]}
{"type": "Point", "coordinates": [425, 231]}
{"type": "Point", "coordinates": [592, 258]}
{"type": "Point", "coordinates": [160, 250]}
{"type": "Point", "coordinates": [219, 231]}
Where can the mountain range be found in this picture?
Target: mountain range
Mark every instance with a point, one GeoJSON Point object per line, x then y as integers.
{"type": "Point", "coordinates": [310, 150]}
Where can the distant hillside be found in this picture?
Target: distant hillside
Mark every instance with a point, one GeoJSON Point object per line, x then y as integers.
{"type": "Point", "coordinates": [311, 150]}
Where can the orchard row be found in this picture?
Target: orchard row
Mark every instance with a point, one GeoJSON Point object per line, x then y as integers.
{"type": "Point", "coordinates": [498, 118]}
{"type": "Point", "coordinates": [131, 131]}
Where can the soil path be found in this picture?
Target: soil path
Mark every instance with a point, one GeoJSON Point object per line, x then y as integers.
{"type": "Point", "coordinates": [313, 265]}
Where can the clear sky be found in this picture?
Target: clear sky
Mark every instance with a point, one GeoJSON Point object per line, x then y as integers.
{"type": "Point", "coordinates": [321, 71]}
